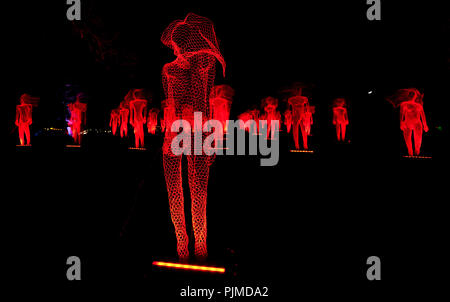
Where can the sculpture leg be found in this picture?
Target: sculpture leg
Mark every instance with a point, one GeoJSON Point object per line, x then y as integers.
{"type": "Point", "coordinates": [172, 172]}
{"type": "Point", "coordinates": [141, 135]}
{"type": "Point", "coordinates": [343, 128]}
{"type": "Point", "coordinates": [407, 136]}
{"type": "Point", "coordinates": [418, 131]}
{"type": "Point", "coordinates": [198, 169]}
{"type": "Point", "coordinates": [338, 131]}
{"type": "Point", "coordinates": [304, 136]}
{"type": "Point", "coordinates": [295, 132]}
{"type": "Point", "coordinates": [21, 134]}
{"type": "Point", "coordinates": [27, 133]}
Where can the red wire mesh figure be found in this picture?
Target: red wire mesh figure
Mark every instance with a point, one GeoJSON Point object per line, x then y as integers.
{"type": "Point", "coordinates": [340, 117]}
{"type": "Point", "coordinates": [301, 116]}
{"type": "Point", "coordinates": [412, 117]}
{"type": "Point", "coordinates": [124, 111]}
{"type": "Point", "coordinates": [114, 120]}
{"type": "Point", "coordinates": [187, 82]}
{"type": "Point", "coordinates": [24, 117]}
{"type": "Point", "coordinates": [152, 120]}
{"type": "Point", "coordinates": [221, 98]}
{"type": "Point", "coordinates": [270, 105]}
{"type": "Point", "coordinates": [169, 116]}
{"type": "Point", "coordinates": [138, 107]}
{"type": "Point", "coordinates": [288, 120]}
{"type": "Point", "coordinates": [77, 118]}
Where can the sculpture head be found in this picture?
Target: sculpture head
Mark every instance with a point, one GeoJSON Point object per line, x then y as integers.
{"type": "Point", "coordinates": [193, 34]}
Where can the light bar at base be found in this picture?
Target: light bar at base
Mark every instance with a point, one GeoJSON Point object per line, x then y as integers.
{"type": "Point", "coordinates": [190, 267]}
{"type": "Point", "coordinates": [140, 149]}
{"type": "Point", "coordinates": [301, 151]}
{"type": "Point", "coordinates": [418, 157]}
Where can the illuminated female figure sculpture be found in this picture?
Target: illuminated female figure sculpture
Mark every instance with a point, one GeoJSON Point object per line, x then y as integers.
{"type": "Point", "coordinates": [24, 117]}
{"type": "Point", "coordinates": [187, 82]}
{"type": "Point", "coordinates": [124, 112]}
{"type": "Point", "coordinates": [340, 117]}
{"type": "Point", "coordinates": [77, 118]}
{"type": "Point", "coordinates": [221, 98]}
{"type": "Point", "coordinates": [138, 107]}
{"type": "Point", "coordinates": [412, 117]}
{"type": "Point", "coordinates": [270, 105]}
{"type": "Point", "coordinates": [152, 120]}
{"type": "Point", "coordinates": [301, 116]}
{"type": "Point", "coordinates": [115, 120]}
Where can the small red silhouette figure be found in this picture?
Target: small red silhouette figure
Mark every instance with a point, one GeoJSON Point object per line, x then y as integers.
{"type": "Point", "coordinates": [77, 118]}
{"type": "Point", "coordinates": [221, 98]}
{"type": "Point", "coordinates": [301, 116]}
{"type": "Point", "coordinates": [187, 82]}
{"type": "Point", "coordinates": [168, 109]}
{"type": "Point", "coordinates": [412, 117]}
{"type": "Point", "coordinates": [138, 107]}
{"type": "Point", "coordinates": [124, 111]}
{"type": "Point", "coordinates": [152, 120]}
{"type": "Point", "coordinates": [115, 120]}
{"type": "Point", "coordinates": [24, 117]}
{"type": "Point", "coordinates": [288, 120]}
{"type": "Point", "coordinates": [250, 114]}
{"type": "Point", "coordinates": [245, 117]}
{"type": "Point", "coordinates": [270, 105]}
{"type": "Point", "coordinates": [340, 117]}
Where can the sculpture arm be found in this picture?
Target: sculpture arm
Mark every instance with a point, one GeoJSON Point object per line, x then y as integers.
{"type": "Point", "coordinates": [17, 117]}
{"type": "Point", "coordinates": [424, 121]}
{"type": "Point", "coordinates": [131, 115]}
{"type": "Point", "coordinates": [402, 117]}
{"type": "Point", "coordinates": [144, 113]}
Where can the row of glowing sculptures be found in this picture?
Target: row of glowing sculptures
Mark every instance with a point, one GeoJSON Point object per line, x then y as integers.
{"type": "Point", "coordinates": [133, 110]}
{"type": "Point", "coordinates": [298, 115]}
{"type": "Point", "coordinates": [189, 87]}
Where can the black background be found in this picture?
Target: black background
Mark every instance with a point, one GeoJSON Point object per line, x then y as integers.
{"type": "Point", "coordinates": [305, 226]}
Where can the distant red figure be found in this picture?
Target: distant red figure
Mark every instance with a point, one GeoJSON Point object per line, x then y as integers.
{"type": "Point", "coordinates": [288, 120]}
{"type": "Point", "coordinates": [24, 117]}
{"type": "Point", "coordinates": [115, 120]}
{"type": "Point", "coordinates": [340, 117]}
{"type": "Point", "coordinates": [152, 120]}
{"type": "Point", "coordinates": [412, 117]}
{"type": "Point", "coordinates": [77, 118]}
{"type": "Point", "coordinates": [138, 117]}
{"type": "Point", "coordinates": [251, 114]}
{"type": "Point", "coordinates": [245, 117]}
{"type": "Point", "coordinates": [221, 98]}
{"type": "Point", "coordinates": [168, 116]}
{"type": "Point", "coordinates": [270, 105]}
{"type": "Point", "coordinates": [301, 116]}
{"type": "Point", "coordinates": [124, 113]}
{"type": "Point", "coordinates": [187, 82]}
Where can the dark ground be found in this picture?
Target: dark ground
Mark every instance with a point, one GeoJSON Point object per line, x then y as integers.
{"type": "Point", "coordinates": [303, 226]}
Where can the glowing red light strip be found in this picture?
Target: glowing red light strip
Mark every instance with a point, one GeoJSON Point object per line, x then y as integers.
{"type": "Point", "coordinates": [190, 267]}
{"type": "Point", "coordinates": [426, 157]}
{"type": "Point", "coordinates": [73, 146]}
{"type": "Point", "coordinates": [132, 148]}
{"type": "Point", "coordinates": [302, 151]}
